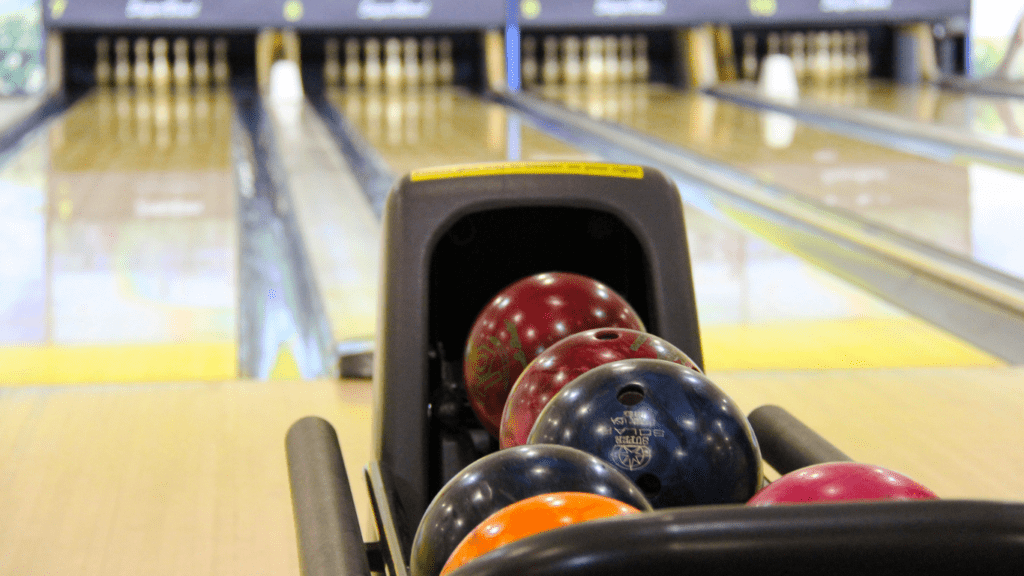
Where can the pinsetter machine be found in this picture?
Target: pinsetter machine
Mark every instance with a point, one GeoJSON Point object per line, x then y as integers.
{"type": "Point", "coordinates": [453, 237]}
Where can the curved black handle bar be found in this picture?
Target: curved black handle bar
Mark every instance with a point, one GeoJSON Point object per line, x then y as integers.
{"type": "Point", "coordinates": [848, 539]}
{"type": "Point", "coordinates": [787, 443]}
{"type": "Point", "coordinates": [327, 527]}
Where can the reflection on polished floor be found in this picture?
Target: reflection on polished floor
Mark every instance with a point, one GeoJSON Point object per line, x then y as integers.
{"type": "Point", "coordinates": [960, 208]}
{"type": "Point", "coordinates": [122, 213]}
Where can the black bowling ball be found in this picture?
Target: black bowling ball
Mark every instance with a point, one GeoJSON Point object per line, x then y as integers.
{"type": "Point", "coordinates": [670, 429]}
{"type": "Point", "coordinates": [503, 478]}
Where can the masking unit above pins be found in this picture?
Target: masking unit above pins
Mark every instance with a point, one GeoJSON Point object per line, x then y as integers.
{"type": "Point", "coordinates": [618, 13]}
{"type": "Point", "coordinates": [378, 16]}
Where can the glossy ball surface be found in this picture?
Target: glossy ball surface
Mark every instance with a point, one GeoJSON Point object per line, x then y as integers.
{"type": "Point", "coordinates": [670, 429]}
{"type": "Point", "coordinates": [568, 359]}
{"type": "Point", "coordinates": [503, 478]}
{"type": "Point", "coordinates": [841, 482]}
{"type": "Point", "coordinates": [524, 319]}
{"type": "Point", "coordinates": [532, 516]}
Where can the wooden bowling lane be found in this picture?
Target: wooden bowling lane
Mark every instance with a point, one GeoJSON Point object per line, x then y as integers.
{"type": "Point", "coordinates": [759, 307]}
{"type": "Point", "coordinates": [954, 430]}
{"type": "Point", "coordinates": [438, 126]}
{"type": "Point", "coordinates": [184, 478]}
{"type": "Point", "coordinates": [188, 477]}
{"type": "Point", "coordinates": [932, 201]}
{"type": "Point", "coordinates": [132, 270]}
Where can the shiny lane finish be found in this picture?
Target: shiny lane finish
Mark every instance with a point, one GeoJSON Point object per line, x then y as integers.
{"type": "Point", "coordinates": [503, 478]}
{"type": "Point", "coordinates": [670, 429]}
{"type": "Point", "coordinates": [566, 360]}
{"type": "Point", "coordinates": [532, 516]}
{"type": "Point", "coordinates": [841, 482]}
{"type": "Point", "coordinates": [522, 321]}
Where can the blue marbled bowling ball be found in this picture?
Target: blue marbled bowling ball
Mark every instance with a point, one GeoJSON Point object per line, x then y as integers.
{"type": "Point", "coordinates": [669, 428]}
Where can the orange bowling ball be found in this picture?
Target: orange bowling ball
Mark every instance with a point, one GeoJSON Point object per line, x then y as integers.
{"type": "Point", "coordinates": [532, 516]}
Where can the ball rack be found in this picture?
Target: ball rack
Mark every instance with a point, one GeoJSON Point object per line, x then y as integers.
{"type": "Point", "coordinates": [455, 236]}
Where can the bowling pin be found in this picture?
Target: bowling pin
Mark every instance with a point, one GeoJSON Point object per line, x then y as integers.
{"type": "Point", "coordinates": [102, 69]}
{"type": "Point", "coordinates": [626, 58]}
{"type": "Point", "coordinates": [774, 43]}
{"type": "Point", "coordinates": [161, 64]}
{"type": "Point", "coordinates": [182, 70]}
{"type": "Point", "coordinates": [798, 54]}
{"type": "Point", "coordinates": [611, 59]}
{"type": "Point", "coordinates": [551, 71]}
{"type": "Point", "coordinates": [594, 56]}
{"type": "Point", "coordinates": [353, 67]}
{"type": "Point", "coordinates": [332, 62]}
{"type": "Point", "coordinates": [201, 65]}
{"type": "Point", "coordinates": [749, 64]}
{"type": "Point", "coordinates": [642, 69]}
{"type": "Point", "coordinates": [837, 62]}
{"type": "Point", "coordinates": [221, 71]}
{"type": "Point", "coordinates": [863, 54]}
{"type": "Point", "coordinates": [820, 58]}
{"type": "Point", "coordinates": [571, 65]}
{"type": "Point", "coordinates": [393, 77]}
{"type": "Point", "coordinates": [850, 54]}
{"type": "Point", "coordinates": [372, 72]}
{"type": "Point", "coordinates": [411, 61]}
{"type": "Point", "coordinates": [445, 61]}
{"type": "Point", "coordinates": [528, 63]}
{"type": "Point", "coordinates": [141, 76]}
{"type": "Point", "coordinates": [122, 65]}
{"type": "Point", "coordinates": [428, 66]}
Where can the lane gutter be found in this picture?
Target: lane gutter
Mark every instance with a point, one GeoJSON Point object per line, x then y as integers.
{"type": "Point", "coordinates": [16, 136]}
{"type": "Point", "coordinates": [370, 169]}
{"type": "Point", "coordinates": [279, 303]}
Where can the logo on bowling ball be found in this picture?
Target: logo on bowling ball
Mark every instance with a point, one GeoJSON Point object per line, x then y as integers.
{"type": "Point", "coordinates": [630, 457]}
{"type": "Point", "coordinates": [491, 361]}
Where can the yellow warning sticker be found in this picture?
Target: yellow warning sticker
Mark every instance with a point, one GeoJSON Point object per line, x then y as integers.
{"type": "Point", "coordinates": [505, 168]}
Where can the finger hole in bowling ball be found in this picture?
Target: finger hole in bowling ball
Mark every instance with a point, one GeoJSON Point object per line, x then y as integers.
{"type": "Point", "coordinates": [606, 336]}
{"type": "Point", "coordinates": [631, 395]}
{"type": "Point", "coordinates": [649, 484]}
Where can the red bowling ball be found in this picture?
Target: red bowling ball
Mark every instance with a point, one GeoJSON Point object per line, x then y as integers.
{"type": "Point", "coordinates": [522, 321]}
{"type": "Point", "coordinates": [564, 361]}
{"type": "Point", "coordinates": [840, 482]}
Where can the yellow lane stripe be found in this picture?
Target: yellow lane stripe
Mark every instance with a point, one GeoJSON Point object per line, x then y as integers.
{"type": "Point", "coordinates": [118, 363]}
{"type": "Point", "coordinates": [859, 343]}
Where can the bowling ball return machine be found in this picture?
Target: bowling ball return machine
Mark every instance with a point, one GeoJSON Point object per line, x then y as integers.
{"type": "Point", "coordinates": [454, 237]}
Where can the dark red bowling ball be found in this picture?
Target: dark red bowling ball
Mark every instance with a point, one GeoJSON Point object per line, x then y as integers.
{"type": "Point", "coordinates": [567, 359]}
{"type": "Point", "coordinates": [667, 427]}
{"type": "Point", "coordinates": [503, 478]}
{"type": "Point", "coordinates": [840, 482]}
{"type": "Point", "coordinates": [522, 321]}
